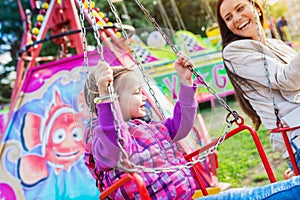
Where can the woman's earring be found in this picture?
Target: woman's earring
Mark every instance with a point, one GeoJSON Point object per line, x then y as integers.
{"type": "Point", "coordinates": [259, 14]}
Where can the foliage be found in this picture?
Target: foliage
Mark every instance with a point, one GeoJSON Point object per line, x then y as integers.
{"type": "Point", "coordinates": [196, 15]}
{"type": "Point", "coordinates": [11, 34]}
{"type": "Point", "coordinates": [278, 9]}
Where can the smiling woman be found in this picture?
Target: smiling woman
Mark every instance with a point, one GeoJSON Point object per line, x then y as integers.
{"type": "Point", "coordinates": [264, 72]}
{"type": "Point", "coordinates": [247, 55]}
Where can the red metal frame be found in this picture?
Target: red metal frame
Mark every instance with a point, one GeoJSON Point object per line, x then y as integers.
{"type": "Point", "coordinates": [127, 177]}
{"type": "Point", "coordinates": [284, 130]}
{"type": "Point", "coordinates": [241, 127]}
{"type": "Point", "coordinates": [197, 167]}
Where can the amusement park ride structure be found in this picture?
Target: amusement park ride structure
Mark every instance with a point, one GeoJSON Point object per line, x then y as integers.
{"type": "Point", "coordinates": [43, 97]}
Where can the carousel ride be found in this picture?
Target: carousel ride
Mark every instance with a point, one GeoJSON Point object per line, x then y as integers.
{"type": "Point", "coordinates": [43, 146]}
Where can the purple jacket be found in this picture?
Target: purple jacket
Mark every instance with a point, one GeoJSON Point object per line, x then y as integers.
{"type": "Point", "coordinates": [150, 145]}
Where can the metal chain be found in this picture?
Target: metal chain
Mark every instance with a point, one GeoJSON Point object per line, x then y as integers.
{"type": "Point", "coordinates": [191, 68]}
{"type": "Point", "coordinates": [124, 158]}
{"type": "Point", "coordinates": [86, 68]}
{"type": "Point", "coordinates": [276, 110]}
{"type": "Point", "coordinates": [96, 30]}
{"type": "Point", "coordinates": [201, 157]}
{"type": "Point", "coordinates": [125, 35]}
{"type": "Point", "coordinates": [117, 125]}
{"type": "Point", "coordinates": [124, 163]}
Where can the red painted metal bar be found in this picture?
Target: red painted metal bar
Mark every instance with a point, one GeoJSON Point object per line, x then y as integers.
{"type": "Point", "coordinates": [128, 176]}
{"type": "Point", "coordinates": [241, 127]}
{"type": "Point", "coordinates": [198, 177]}
{"type": "Point", "coordinates": [283, 130]}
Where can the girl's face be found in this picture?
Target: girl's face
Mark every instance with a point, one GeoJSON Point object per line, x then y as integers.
{"type": "Point", "coordinates": [132, 100]}
{"type": "Point", "coordinates": [239, 17]}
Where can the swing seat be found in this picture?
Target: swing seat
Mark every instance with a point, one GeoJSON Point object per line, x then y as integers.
{"type": "Point", "coordinates": [283, 131]}
{"type": "Point", "coordinates": [197, 169]}
{"type": "Point", "coordinates": [127, 177]}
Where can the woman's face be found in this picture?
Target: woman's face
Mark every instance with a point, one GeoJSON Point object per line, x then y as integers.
{"type": "Point", "coordinates": [239, 17]}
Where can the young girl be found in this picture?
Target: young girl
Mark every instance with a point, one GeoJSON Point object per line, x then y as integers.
{"type": "Point", "coordinates": [246, 53]}
{"type": "Point", "coordinates": [149, 144]}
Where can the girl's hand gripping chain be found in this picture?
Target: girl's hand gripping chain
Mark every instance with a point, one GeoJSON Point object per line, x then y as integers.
{"type": "Point", "coordinates": [104, 77]}
{"type": "Point", "coordinates": [181, 67]}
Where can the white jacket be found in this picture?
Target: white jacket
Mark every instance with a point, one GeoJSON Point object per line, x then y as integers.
{"type": "Point", "coordinates": [245, 58]}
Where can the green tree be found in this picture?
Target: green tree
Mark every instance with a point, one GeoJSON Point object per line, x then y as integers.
{"type": "Point", "coordinates": [11, 30]}
{"type": "Point", "coordinates": [196, 15]}
{"type": "Point", "coordinates": [278, 9]}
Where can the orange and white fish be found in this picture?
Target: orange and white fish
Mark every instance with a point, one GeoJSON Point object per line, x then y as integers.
{"type": "Point", "coordinates": [60, 136]}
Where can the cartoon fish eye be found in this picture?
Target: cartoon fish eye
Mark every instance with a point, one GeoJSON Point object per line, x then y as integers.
{"type": "Point", "coordinates": [77, 134]}
{"type": "Point", "coordinates": [59, 136]}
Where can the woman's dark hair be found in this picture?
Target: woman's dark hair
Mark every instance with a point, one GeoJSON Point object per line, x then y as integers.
{"type": "Point", "coordinates": [239, 93]}
{"type": "Point", "coordinates": [227, 37]}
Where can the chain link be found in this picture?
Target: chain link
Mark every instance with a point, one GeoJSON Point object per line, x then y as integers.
{"type": "Point", "coordinates": [96, 30]}
{"type": "Point", "coordinates": [191, 68]}
{"type": "Point", "coordinates": [125, 35]}
{"type": "Point", "coordinates": [201, 157]}
{"type": "Point", "coordinates": [274, 29]}
{"type": "Point", "coordinates": [124, 162]}
{"type": "Point", "coordinates": [276, 110]}
{"type": "Point", "coordinates": [86, 69]}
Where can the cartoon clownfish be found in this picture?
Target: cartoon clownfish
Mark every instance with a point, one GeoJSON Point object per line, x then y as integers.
{"type": "Point", "coordinates": [60, 138]}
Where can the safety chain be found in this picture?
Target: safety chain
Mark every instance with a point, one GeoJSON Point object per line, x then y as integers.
{"type": "Point", "coordinates": [96, 31]}
{"type": "Point", "coordinates": [86, 68]}
{"type": "Point", "coordinates": [117, 125]}
{"type": "Point", "coordinates": [124, 163]}
{"type": "Point", "coordinates": [112, 97]}
{"type": "Point", "coordinates": [276, 110]}
{"type": "Point", "coordinates": [125, 35]}
{"type": "Point", "coordinates": [201, 157]}
{"type": "Point", "coordinates": [191, 68]}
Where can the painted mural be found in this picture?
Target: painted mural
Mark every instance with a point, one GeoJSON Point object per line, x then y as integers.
{"type": "Point", "coordinates": [42, 150]}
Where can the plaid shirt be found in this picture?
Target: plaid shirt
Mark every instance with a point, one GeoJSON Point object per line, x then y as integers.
{"type": "Point", "coordinates": [153, 147]}
{"type": "Point", "coordinates": [150, 145]}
